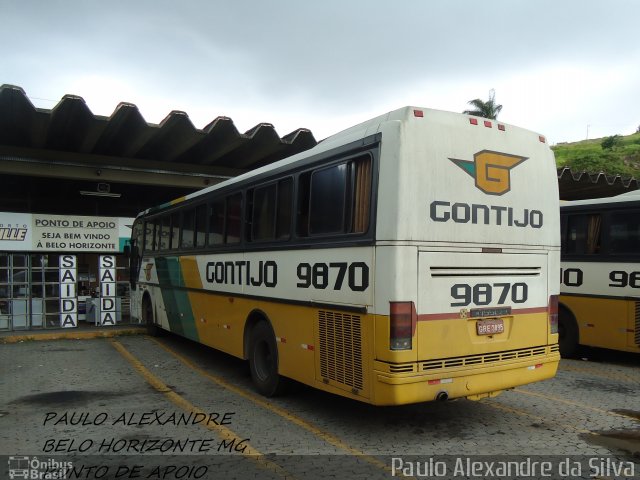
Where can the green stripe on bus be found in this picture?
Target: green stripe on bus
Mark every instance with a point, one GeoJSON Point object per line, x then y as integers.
{"type": "Point", "coordinates": [176, 301]}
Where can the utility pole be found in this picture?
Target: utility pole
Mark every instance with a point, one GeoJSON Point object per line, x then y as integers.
{"type": "Point", "coordinates": [588, 131]}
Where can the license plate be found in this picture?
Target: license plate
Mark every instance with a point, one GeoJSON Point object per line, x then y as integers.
{"type": "Point", "coordinates": [490, 326]}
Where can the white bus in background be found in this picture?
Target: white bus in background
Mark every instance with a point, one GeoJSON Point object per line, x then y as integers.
{"type": "Point", "coordinates": [600, 276]}
{"type": "Point", "coordinates": [410, 258]}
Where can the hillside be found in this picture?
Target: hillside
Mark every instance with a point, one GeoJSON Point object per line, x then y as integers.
{"type": "Point", "coordinates": [623, 158]}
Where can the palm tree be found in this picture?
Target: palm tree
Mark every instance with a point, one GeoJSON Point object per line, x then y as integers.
{"type": "Point", "coordinates": [487, 109]}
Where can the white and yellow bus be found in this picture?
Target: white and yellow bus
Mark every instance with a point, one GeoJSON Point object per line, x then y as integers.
{"type": "Point", "coordinates": [600, 274]}
{"type": "Point", "coordinates": [410, 258]}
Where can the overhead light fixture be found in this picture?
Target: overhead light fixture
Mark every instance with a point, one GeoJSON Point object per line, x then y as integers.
{"type": "Point", "coordinates": [102, 190]}
{"type": "Point", "coordinates": [100, 194]}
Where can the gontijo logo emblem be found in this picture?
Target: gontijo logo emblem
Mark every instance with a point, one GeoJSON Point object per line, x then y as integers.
{"type": "Point", "coordinates": [491, 170]}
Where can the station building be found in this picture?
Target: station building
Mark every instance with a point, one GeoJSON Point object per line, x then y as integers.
{"type": "Point", "coordinates": [72, 182]}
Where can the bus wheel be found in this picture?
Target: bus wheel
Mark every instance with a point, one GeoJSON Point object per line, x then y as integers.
{"type": "Point", "coordinates": [263, 361]}
{"type": "Point", "coordinates": [147, 317]}
{"type": "Point", "coordinates": [567, 334]}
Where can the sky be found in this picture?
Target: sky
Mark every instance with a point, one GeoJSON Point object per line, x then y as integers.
{"type": "Point", "coordinates": [568, 69]}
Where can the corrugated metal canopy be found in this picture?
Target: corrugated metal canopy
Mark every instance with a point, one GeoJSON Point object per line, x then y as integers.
{"type": "Point", "coordinates": [69, 142]}
{"type": "Point", "coordinates": [583, 185]}
{"type": "Point", "coordinates": [125, 139]}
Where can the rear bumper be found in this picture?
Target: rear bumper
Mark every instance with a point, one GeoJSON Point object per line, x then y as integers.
{"type": "Point", "coordinates": [472, 382]}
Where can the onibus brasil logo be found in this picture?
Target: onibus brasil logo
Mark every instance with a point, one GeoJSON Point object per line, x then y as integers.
{"type": "Point", "coordinates": [491, 170]}
{"type": "Point", "coordinates": [33, 468]}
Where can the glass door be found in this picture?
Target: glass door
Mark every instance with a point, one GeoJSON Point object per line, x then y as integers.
{"type": "Point", "coordinates": [5, 289]}
{"type": "Point", "coordinates": [14, 291]}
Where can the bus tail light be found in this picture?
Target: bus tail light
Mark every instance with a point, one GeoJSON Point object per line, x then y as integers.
{"type": "Point", "coordinates": [553, 313]}
{"type": "Point", "coordinates": [402, 322]}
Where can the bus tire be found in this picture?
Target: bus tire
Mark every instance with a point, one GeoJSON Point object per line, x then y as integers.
{"type": "Point", "coordinates": [568, 336]}
{"type": "Point", "coordinates": [263, 361]}
{"type": "Point", "coordinates": [147, 316]}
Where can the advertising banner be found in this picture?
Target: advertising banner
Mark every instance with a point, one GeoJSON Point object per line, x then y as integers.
{"type": "Point", "coordinates": [62, 233]}
{"type": "Point", "coordinates": [15, 231]}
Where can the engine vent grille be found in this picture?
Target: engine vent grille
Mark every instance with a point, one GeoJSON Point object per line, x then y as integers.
{"type": "Point", "coordinates": [341, 348]}
{"type": "Point", "coordinates": [485, 359]}
{"type": "Point", "coordinates": [485, 271]}
{"type": "Point", "coordinates": [401, 368]}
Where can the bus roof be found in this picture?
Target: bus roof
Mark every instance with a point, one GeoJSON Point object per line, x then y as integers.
{"type": "Point", "coordinates": [351, 134]}
{"type": "Point", "coordinates": [634, 195]}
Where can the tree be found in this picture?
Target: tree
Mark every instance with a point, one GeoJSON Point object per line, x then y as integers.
{"type": "Point", "coordinates": [610, 143]}
{"type": "Point", "coordinates": [487, 109]}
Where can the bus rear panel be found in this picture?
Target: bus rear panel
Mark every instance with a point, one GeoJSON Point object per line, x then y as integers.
{"type": "Point", "coordinates": [467, 252]}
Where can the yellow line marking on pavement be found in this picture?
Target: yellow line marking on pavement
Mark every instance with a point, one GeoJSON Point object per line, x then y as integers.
{"type": "Point", "coordinates": [326, 436]}
{"type": "Point", "coordinates": [224, 432]}
{"type": "Point", "coordinates": [535, 417]}
{"type": "Point", "coordinates": [568, 402]}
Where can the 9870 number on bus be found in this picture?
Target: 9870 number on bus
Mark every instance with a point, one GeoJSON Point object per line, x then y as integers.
{"type": "Point", "coordinates": [323, 275]}
{"type": "Point", "coordinates": [484, 293]}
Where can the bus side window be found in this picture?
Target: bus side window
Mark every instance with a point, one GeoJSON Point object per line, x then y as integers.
{"type": "Point", "coordinates": [216, 222]}
{"type": "Point", "coordinates": [188, 224]}
{"type": "Point", "coordinates": [362, 194]}
{"type": "Point", "coordinates": [283, 209]}
{"type": "Point", "coordinates": [233, 218]}
{"type": "Point", "coordinates": [335, 199]}
{"type": "Point", "coordinates": [149, 230]}
{"type": "Point", "coordinates": [156, 234]}
{"type": "Point", "coordinates": [165, 233]}
{"type": "Point", "coordinates": [201, 225]}
{"type": "Point", "coordinates": [327, 200]}
{"type": "Point", "coordinates": [576, 234]}
{"type": "Point", "coordinates": [174, 241]}
{"type": "Point", "coordinates": [138, 234]}
{"type": "Point", "coordinates": [594, 234]}
{"type": "Point", "coordinates": [624, 232]}
{"type": "Point", "coordinates": [584, 234]}
{"type": "Point", "coordinates": [263, 215]}
{"type": "Point", "coordinates": [269, 211]}
{"type": "Point", "coordinates": [302, 212]}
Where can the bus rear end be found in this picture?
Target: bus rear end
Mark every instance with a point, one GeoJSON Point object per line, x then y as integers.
{"type": "Point", "coordinates": [467, 258]}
